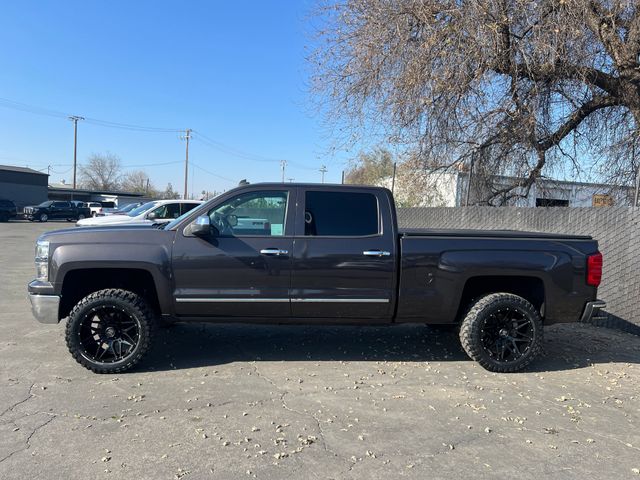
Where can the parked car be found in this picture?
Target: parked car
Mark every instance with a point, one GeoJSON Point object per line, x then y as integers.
{"type": "Point", "coordinates": [331, 254]}
{"type": "Point", "coordinates": [121, 210]}
{"type": "Point", "coordinates": [8, 210]}
{"type": "Point", "coordinates": [52, 209]}
{"type": "Point", "coordinates": [148, 213]}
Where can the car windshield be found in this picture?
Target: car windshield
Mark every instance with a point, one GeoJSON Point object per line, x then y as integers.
{"type": "Point", "coordinates": [142, 208]}
{"type": "Point", "coordinates": [45, 204]}
{"type": "Point", "coordinates": [127, 208]}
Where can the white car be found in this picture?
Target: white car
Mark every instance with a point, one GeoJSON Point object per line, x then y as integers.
{"type": "Point", "coordinates": [148, 213]}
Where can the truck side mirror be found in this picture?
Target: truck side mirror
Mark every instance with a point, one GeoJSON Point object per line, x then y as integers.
{"type": "Point", "coordinates": [201, 227]}
{"type": "Point", "coordinates": [152, 216]}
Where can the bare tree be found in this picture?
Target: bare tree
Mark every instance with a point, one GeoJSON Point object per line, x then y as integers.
{"type": "Point", "coordinates": [510, 87]}
{"type": "Point", "coordinates": [169, 193]}
{"type": "Point", "coordinates": [138, 181]}
{"type": "Point", "coordinates": [101, 172]}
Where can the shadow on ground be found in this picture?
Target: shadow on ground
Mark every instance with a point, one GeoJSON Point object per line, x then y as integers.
{"type": "Point", "coordinates": [183, 346]}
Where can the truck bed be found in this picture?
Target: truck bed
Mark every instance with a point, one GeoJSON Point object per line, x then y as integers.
{"type": "Point", "coordinates": [452, 232]}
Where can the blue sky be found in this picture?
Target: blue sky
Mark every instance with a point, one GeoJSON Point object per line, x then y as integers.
{"type": "Point", "coordinates": [233, 71]}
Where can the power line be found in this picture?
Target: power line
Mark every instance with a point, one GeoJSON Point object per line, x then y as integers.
{"type": "Point", "coordinates": [242, 154]}
{"type": "Point", "coordinates": [214, 174]}
{"type": "Point", "coordinates": [24, 107]}
{"type": "Point", "coordinates": [139, 165]}
{"type": "Point", "coordinates": [208, 141]}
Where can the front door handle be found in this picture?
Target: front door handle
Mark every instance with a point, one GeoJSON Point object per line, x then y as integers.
{"type": "Point", "coordinates": [376, 253]}
{"type": "Point", "coordinates": [274, 251]}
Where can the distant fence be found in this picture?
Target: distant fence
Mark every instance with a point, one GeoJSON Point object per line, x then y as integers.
{"type": "Point", "coordinates": [617, 230]}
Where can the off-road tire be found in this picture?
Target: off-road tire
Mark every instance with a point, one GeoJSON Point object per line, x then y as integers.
{"type": "Point", "coordinates": [130, 303]}
{"type": "Point", "coordinates": [471, 331]}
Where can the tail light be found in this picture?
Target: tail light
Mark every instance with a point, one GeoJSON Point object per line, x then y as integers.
{"type": "Point", "coordinates": [594, 269]}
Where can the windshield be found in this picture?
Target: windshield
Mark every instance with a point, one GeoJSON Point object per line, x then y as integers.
{"type": "Point", "coordinates": [128, 208]}
{"type": "Point", "coordinates": [142, 208]}
{"type": "Point", "coordinates": [45, 204]}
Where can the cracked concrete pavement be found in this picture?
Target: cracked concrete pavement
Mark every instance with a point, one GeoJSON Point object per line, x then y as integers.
{"type": "Point", "coordinates": [224, 401]}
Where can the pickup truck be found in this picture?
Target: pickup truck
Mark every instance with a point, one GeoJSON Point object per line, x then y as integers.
{"type": "Point", "coordinates": [324, 254]}
{"type": "Point", "coordinates": [52, 210]}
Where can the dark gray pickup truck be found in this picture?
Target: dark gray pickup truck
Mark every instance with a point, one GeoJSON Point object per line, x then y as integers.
{"type": "Point", "coordinates": [314, 254]}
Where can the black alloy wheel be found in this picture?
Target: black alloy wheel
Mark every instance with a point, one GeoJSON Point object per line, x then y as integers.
{"type": "Point", "coordinates": [503, 332]}
{"type": "Point", "coordinates": [109, 331]}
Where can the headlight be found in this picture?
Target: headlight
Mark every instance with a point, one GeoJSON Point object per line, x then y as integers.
{"type": "Point", "coordinates": [42, 260]}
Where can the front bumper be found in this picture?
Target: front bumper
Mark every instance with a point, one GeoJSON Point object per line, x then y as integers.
{"type": "Point", "coordinates": [593, 311]}
{"type": "Point", "coordinates": [45, 307]}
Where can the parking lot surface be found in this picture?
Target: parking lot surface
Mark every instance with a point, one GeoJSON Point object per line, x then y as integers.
{"type": "Point", "coordinates": [225, 401]}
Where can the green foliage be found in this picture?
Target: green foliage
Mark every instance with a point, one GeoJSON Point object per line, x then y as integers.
{"type": "Point", "coordinates": [370, 168]}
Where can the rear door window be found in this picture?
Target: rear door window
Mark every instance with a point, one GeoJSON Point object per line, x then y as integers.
{"type": "Point", "coordinates": [341, 214]}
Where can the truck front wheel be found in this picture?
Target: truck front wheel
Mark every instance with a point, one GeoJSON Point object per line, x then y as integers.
{"type": "Point", "coordinates": [502, 332]}
{"type": "Point", "coordinates": [109, 331]}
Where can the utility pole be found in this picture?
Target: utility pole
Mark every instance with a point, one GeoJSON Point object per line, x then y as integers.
{"type": "Point", "coordinates": [283, 164]}
{"type": "Point", "coordinates": [291, 180]}
{"type": "Point", "coordinates": [74, 119]}
{"type": "Point", "coordinates": [323, 170]}
{"type": "Point", "coordinates": [342, 177]}
{"type": "Point", "coordinates": [393, 178]}
{"type": "Point", "coordinates": [466, 201]}
{"type": "Point", "coordinates": [186, 137]}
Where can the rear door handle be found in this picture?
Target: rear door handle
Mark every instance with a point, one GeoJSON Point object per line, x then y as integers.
{"type": "Point", "coordinates": [376, 253]}
{"type": "Point", "coordinates": [274, 251]}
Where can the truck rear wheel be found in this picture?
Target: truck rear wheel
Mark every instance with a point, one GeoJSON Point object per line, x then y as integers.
{"type": "Point", "coordinates": [502, 332]}
{"type": "Point", "coordinates": [109, 331]}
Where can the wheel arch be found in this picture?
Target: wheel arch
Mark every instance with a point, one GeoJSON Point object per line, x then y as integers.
{"type": "Point", "coordinates": [530, 288]}
{"type": "Point", "coordinates": [80, 282]}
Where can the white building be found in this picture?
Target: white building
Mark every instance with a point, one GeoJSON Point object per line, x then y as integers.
{"type": "Point", "coordinates": [449, 189]}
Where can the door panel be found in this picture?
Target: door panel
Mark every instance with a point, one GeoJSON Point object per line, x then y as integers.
{"type": "Point", "coordinates": [244, 268]}
{"type": "Point", "coordinates": [229, 276]}
{"type": "Point", "coordinates": [347, 276]}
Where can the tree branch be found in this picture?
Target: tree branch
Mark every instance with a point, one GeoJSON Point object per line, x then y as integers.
{"type": "Point", "coordinates": [595, 104]}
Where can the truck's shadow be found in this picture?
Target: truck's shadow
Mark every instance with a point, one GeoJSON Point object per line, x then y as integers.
{"type": "Point", "coordinates": [199, 345]}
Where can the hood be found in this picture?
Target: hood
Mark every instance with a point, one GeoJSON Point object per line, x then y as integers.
{"type": "Point", "coordinates": [111, 219]}
{"type": "Point", "coordinates": [110, 233]}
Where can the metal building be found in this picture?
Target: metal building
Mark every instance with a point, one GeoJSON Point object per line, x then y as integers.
{"type": "Point", "coordinates": [24, 186]}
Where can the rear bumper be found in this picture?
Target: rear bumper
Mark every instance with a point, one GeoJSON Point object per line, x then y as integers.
{"type": "Point", "coordinates": [592, 311]}
{"type": "Point", "coordinates": [45, 307]}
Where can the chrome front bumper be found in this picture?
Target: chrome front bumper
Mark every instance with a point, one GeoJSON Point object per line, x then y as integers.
{"type": "Point", "coordinates": [45, 307]}
{"type": "Point", "coordinates": [592, 311]}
